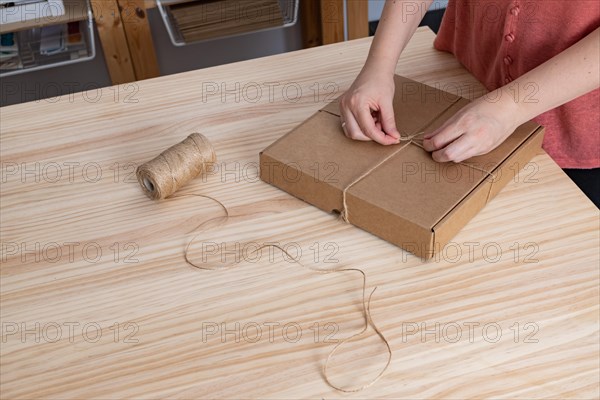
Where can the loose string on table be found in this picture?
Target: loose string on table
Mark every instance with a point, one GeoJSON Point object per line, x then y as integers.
{"type": "Point", "coordinates": [366, 302]}
{"type": "Point", "coordinates": [161, 177]}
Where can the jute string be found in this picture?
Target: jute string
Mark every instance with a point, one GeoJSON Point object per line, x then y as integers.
{"type": "Point", "coordinates": [161, 177]}
{"type": "Point", "coordinates": [345, 214]}
{"type": "Point", "coordinates": [366, 301]}
{"type": "Point", "coordinates": [174, 167]}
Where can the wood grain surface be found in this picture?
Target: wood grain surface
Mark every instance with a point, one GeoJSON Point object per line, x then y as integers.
{"type": "Point", "coordinates": [97, 301]}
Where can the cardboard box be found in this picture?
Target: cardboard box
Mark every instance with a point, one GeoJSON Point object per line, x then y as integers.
{"type": "Point", "coordinates": [409, 200]}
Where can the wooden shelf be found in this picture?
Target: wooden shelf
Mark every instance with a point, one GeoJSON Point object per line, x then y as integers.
{"type": "Point", "coordinates": [75, 10]}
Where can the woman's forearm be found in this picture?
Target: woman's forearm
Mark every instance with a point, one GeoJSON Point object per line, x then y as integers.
{"type": "Point", "coordinates": [398, 22]}
{"type": "Point", "coordinates": [366, 109]}
{"type": "Point", "coordinates": [482, 125]}
{"type": "Point", "coordinates": [566, 76]}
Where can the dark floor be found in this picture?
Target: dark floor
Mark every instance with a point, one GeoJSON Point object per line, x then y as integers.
{"type": "Point", "coordinates": [432, 19]}
{"type": "Point", "coordinates": [588, 181]}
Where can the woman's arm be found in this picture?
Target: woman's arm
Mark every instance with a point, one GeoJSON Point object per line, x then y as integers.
{"type": "Point", "coordinates": [366, 108]}
{"type": "Point", "coordinates": [399, 21]}
{"type": "Point", "coordinates": [484, 124]}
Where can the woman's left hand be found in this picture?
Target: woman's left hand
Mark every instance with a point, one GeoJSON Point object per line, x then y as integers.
{"type": "Point", "coordinates": [476, 129]}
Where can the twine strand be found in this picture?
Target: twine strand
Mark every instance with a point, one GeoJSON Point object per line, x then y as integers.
{"type": "Point", "coordinates": [161, 177]}
{"type": "Point", "coordinates": [345, 214]}
{"type": "Point", "coordinates": [366, 302]}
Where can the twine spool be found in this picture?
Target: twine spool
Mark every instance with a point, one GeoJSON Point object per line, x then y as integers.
{"type": "Point", "coordinates": [174, 167]}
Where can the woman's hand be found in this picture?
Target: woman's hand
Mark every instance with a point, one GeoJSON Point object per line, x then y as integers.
{"type": "Point", "coordinates": [483, 125]}
{"type": "Point", "coordinates": [476, 129]}
{"type": "Point", "coordinates": [366, 108]}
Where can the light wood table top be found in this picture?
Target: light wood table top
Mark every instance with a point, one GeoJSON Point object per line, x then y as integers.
{"type": "Point", "coordinates": [97, 301]}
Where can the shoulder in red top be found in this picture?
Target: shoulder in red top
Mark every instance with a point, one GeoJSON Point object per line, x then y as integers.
{"type": "Point", "coordinates": [500, 40]}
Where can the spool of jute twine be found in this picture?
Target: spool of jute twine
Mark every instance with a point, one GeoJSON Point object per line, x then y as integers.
{"type": "Point", "coordinates": [176, 166]}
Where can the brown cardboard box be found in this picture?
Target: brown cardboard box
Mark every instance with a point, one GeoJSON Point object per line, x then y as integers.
{"type": "Point", "coordinates": [409, 200]}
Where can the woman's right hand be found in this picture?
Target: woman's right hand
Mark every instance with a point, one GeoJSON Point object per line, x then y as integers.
{"type": "Point", "coordinates": [366, 108]}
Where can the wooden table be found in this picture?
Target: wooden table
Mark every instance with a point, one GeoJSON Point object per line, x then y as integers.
{"type": "Point", "coordinates": [97, 301]}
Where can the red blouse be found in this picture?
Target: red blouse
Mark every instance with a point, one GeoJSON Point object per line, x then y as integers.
{"type": "Point", "coordinates": [500, 40]}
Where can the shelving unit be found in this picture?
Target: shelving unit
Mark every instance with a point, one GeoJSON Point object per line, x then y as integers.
{"type": "Point", "coordinates": [52, 13]}
{"type": "Point", "coordinates": [193, 21]}
{"type": "Point", "coordinates": [45, 41]}
{"type": "Point", "coordinates": [125, 35]}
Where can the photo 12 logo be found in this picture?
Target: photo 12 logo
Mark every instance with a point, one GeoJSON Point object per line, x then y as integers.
{"type": "Point", "coordinates": [52, 332]}
{"type": "Point", "coordinates": [69, 252]}
{"type": "Point", "coordinates": [228, 253]}
{"type": "Point", "coordinates": [67, 172]}
{"type": "Point", "coordinates": [255, 92]}
{"type": "Point", "coordinates": [454, 332]}
{"type": "Point", "coordinates": [490, 252]}
{"type": "Point", "coordinates": [271, 331]}
{"type": "Point", "coordinates": [54, 92]}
